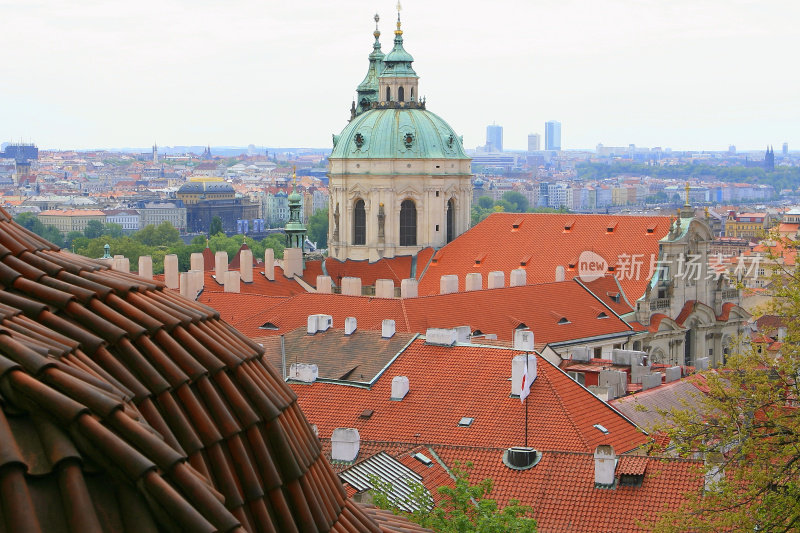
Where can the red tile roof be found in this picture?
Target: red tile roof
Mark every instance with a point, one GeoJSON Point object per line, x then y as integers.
{"type": "Point", "coordinates": [542, 242]}
{"type": "Point", "coordinates": [124, 403]}
{"type": "Point", "coordinates": [561, 488]}
{"type": "Point", "coordinates": [447, 383]}
{"type": "Point", "coordinates": [396, 269]}
{"type": "Point", "coordinates": [501, 312]}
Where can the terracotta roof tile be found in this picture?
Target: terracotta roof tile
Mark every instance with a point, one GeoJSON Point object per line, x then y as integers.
{"type": "Point", "coordinates": [506, 247]}
{"type": "Point", "coordinates": [124, 402]}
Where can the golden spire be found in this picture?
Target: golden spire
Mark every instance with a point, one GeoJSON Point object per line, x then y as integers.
{"type": "Point", "coordinates": [398, 31]}
{"type": "Point", "coordinates": [687, 195]}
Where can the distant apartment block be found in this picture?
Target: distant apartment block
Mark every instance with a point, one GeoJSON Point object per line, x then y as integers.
{"type": "Point", "coordinates": [494, 138]}
{"type": "Point", "coordinates": [157, 212]}
{"type": "Point", "coordinates": [127, 218]}
{"type": "Point", "coordinates": [70, 219]}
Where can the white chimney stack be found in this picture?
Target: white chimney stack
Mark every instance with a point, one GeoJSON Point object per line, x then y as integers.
{"type": "Point", "coordinates": [312, 324]}
{"type": "Point", "coordinates": [497, 279]}
{"type": "Point", "coordinates": [518, 278]}
{"type": "Point", "coordinates": [220, 266]}
{"type": "Point", "coordinates": [246, 265]}
{"type": "Point", "coordinates": [518, 368]}
{"type": "Point", "coordinates": [350, 325]}
{"type": "Point", "coordinates": [523, 340]}
{"type": "Point", "coordinates": [196, 262]}
{"type": "Point", "coordinates": [384, 288]}
{"type": "Point", "coordinates": [345, 443]}
{"type": "Point", "coordinates": [171, 271]}
{"type": "Point", "coordinates": [409, 288]}
{"type": "Point", "coordinates": [441, 336]}
{"type": "Point", "coordinates": [146, 266]}
{"type": "Point", "coordinates": [324, 285]}
{"type": "Point", "coordinates": [232, 280]}
{"type": "Point", "coordinates": [473, 281]}
{"type": "Point", "coordinates": [560, 273]}
{"type": "Point", "coordinates": [387, 329]}
{"type": "Point", "coordinates": [269, 264]}
{"type": "Point", "coordinates": [448, 284]}
{"type": "Point", "coordinates": [605, 463]}
{"type": "Point", "coordinates": [351, 286]}
{"type": "Point", "coordinates": [399, 388]}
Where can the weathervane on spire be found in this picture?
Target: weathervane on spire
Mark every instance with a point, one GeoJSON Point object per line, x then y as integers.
{"type": "Point", "coordinates": [399, 8]}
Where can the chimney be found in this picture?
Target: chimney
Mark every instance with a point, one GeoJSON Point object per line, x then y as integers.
{"type": "Point", "coordinates": [497, 279]}
{"type": "Point", "coordinates": [171, 271]}
{"type": "Point", "coordinates": [185, 283]}
{"type": "Point", "coordinates": [387, 329]}
{"type": "Point", "coordinates": [146, 267]}
{"type": "Point", "coordinates": [463, 334]}
{"type": "Point", "coordinates": [518, 278]}
{"type": "Point", "coordinates": [523, 340]}
{"type": "Point", "coordinates": [196, 262]}
{"type": "Point", "coordinates": [351, 286]}
{"type": "Point", "coordinates": [292, 262]}
{"type": "Point", "coordinates": [220, 266]}
{"type": "Point", "coordinates": [232, 279]}
{"type": "Point", "coordinates": [345, 443]}
{"type": "Point", "coordinates": [324, 285]}
{"type": "Point", "coordinates": [473, 281]}
{"type": "Point", "coordinates": [350, 325]}
{"type": "Point", "coordinates": [196, 279]}
{"type": "Point", "coordinates": [269, 264]}
{"type": "Point", "coordinates": [399, 388]}
{"type": "Point", "coordinates": [312, 324]}
{"type": "Point", "coordinates": [559, 273]}
{"type": "Point", "coordinates": [448, 284]}
{"type": "Point", "coordinates": [324, 322]}
{"type": "Point", "coordinates": [517, 369]}
{"type": "Point", "coordinates": [304, 372]}
{"type": "Point", "coordinates": [605, 463]}
{"type": "Point", "coordinates": [246, 265]}
{"type": "Point", "coordinates": [121, 263]}
{"type": "Point", "coordinates": [714, 463]}
{"type": "Point", "coordinates": [409, 288]}
{"type": "Point", "coordinates": [384, 288]}
{"type": "Point", "coordinates": [440, 336]}
{"type": "Point", "coordinates": [672, 373]}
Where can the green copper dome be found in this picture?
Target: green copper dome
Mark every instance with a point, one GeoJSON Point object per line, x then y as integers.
{"type": "Point", "coordinates": [398, 133]}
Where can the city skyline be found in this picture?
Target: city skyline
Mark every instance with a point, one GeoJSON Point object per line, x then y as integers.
{"type": "Point", "coordinates": [681, 75]}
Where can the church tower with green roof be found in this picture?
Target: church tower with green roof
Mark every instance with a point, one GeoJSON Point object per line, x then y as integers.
{"type": "Point", "coordinates": [399, 179]}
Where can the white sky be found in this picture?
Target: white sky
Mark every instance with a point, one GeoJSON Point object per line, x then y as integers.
{"type": "Point", "coordinates": [688, 74]}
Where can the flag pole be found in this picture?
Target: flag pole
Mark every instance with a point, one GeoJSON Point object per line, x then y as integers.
{"type": "Point", "coordinates": [526, 403]}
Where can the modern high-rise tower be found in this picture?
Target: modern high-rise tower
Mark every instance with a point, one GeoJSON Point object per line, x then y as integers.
{"type": "Point", "coordinates": [494, 138]}
{"type": "Point", "coordinates": [552, 135]}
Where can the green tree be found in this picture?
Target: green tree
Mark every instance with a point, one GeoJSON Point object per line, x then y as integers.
{"type": "Point", "coordinates": [747, 427]}
{"type": "Point", "coordinates": [485, 202]}
{"type": "Point", "coordinates": [93, 229]}
{"type": "Point", "coordinates": [318, 228]}
{"type": "Point", "coordinates": [463, 508]}
{"type": "Point", "coordinates": [216, 227]}
{"type": "Point", "coordinates": [517, 201]}
{"type": "Point", "coordinates": [162, 235]}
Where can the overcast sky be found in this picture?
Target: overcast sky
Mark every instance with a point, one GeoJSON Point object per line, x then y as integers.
{"type": "Point", "coordinates": [686, 74]}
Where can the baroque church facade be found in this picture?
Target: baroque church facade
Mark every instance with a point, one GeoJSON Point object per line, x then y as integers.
{"type": "Point", "coordinates": [399, 179]}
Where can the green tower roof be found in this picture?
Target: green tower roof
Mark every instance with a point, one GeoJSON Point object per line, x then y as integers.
{"type": "Point", "coordinates": [411, 133]}
{"type": "Point", "coordinates": [397, 63]}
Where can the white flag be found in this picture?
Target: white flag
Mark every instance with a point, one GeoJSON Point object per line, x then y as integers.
{"type": "Point", "coordinates": [526, 385]}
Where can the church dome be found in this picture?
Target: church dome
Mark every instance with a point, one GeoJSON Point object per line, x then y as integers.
{"type": "Point", "coordinates": [398, 133]}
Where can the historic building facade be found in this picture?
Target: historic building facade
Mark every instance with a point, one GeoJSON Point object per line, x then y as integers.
{"type": "Point", "coordinates": [399, 176]}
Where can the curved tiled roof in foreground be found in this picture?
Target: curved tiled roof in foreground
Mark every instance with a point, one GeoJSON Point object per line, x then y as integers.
{"type": "Point", "coordinates": [128, 408]}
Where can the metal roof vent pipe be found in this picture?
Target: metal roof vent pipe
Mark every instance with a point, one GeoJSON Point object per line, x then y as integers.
{"type": "Point", "coordinates": [387, 329]}
{"type": "Point", "coordinates": [399, 388]}
{"type": "Point", "coordinates": [521, 457]}
{"type": "Point", "coordinates": [350, 325]}
{"type": "Point", "coordinates": [345, 443]}
{"type": "Point", "coordinates": [605, 464]}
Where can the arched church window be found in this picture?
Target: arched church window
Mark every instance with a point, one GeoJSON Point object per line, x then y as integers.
{"type": "Point", "coordinates": [388, 94]}
{"type": "Point", "coordinates": [400, 94]}
{"type": "Point", "coordinates": [408, 223]}
{"type": "Point", "coordinates": [359, 223]}
{"type": "Point", "coordinates": [451, 220]}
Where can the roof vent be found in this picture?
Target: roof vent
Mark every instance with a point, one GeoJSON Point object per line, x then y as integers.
{"type": "Point", "coordinates": [610, 227]}
{"type": "Point", "coordinates": [568, 225]}
{"type": "Point", "coordinates": [366, 413]}
{"type": "Point", "coordinates": [521, 458]}
{"type": "Point", "coordinates": [268, 325]}
{"type": "Point", "coordinates": [350, 325]}
{"type": "Point", "coordinates": [466, 421]}
{"type": "Point", "coordinates": [517, 223]}
{"type": "Point", "coordinates": [564, 320]}
{"type": "Point", "coordinates": [601, 429]}
{"type": "Point", "coordinates": [525, 260]}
